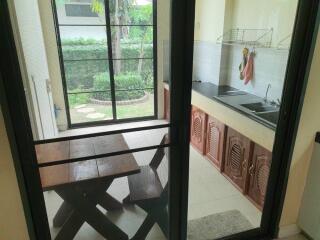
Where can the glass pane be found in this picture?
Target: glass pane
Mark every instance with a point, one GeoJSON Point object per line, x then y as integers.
{"type": "Point", "coordinates": [239, 65]}
{"type": "Point", "coordinates": [133, 104]}
{"type": "Point", "coordinates": [132, 42]}
{"type": "Point", "coordinates": [89, 107]}
{"type": "Point", "coordinates": [138, 12]}
{"type": "Point", "coordinates": [91, 77]}
{"type": "Point", "coordinates": [131, 74]}
{"type": "Point", "coordinates": [89, 12]}
{"type": "Point", "coordinates": [82, 42]}
{"type": "Point", "coordinates": [87, 75]}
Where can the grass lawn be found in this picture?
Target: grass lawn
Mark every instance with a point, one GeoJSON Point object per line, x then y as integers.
{"type": "Point", "coordinates": [88, 112]}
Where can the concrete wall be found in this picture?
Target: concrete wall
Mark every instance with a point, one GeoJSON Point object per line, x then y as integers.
{"type": "Point", "coordinates": [12, 220]}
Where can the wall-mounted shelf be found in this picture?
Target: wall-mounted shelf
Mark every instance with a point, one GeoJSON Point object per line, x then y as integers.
{"type": "Point", "coordinates": [261, 38]}
{"type": "Point", "coordinates": [284, 43]}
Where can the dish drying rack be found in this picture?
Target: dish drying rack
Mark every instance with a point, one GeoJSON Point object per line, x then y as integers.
{"type": "Point", "coordinates": [261, 38]}
{"type": "Point", "coordinates": [284, 43]}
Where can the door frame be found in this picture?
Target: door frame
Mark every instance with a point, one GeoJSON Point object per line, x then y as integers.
{"type": "Point", "coordinates": [18, 126]}
{"type": "Point", "coordinates": [109, 59]}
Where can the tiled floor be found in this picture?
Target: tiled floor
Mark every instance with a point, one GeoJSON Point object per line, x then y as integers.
{"type": "Point", "coordinates": [110, 127]}
{"type": "Point", "coordinates": [209, 192]}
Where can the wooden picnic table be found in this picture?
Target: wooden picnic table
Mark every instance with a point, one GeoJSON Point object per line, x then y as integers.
{"type": "Point", "coordinates": [83, 185]}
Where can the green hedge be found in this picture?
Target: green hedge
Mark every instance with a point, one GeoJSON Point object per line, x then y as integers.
{"type": "Point", "coordinates": [79, 74]}
{"type": "Point", "coordinates": [123, 81]}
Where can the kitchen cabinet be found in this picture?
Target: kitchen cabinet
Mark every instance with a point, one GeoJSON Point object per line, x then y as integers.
{"type": "Point", "coordinates": [214, 147]}
{"type": "Point", "coordinates": [237, 157]}
{"type": "Point", "coordinates": [166, 104]}
{"type": "Point", "coordinates": [198, 129]}
{"type": "Point", "coordinates": [258, 175]}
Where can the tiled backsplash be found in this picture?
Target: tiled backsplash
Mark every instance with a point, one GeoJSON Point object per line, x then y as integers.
{"type": "Point", "coordinates": [206, 62]}
{"type": "Point", "coordinates": [220, 65]}
{"type": "Point", "coordinates": [269, 68]}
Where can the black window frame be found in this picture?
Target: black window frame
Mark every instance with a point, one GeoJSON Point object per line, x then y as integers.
{"type": "Point", "coordinates": [110, 59]}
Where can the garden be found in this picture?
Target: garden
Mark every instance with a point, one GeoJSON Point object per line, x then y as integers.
{"type": "Point", "coordinates": [87, 66]}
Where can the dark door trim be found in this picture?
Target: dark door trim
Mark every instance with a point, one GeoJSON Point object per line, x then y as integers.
{"type": "Point", "coordinates": [299, 61]}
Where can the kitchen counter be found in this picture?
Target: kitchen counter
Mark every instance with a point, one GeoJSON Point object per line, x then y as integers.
{"type": "Point", "coordinates": [227, 109]}
{"type": "Point", "coordinates": [215, 93]}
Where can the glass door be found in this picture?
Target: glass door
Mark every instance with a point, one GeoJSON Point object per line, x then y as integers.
{"type": "Point", "coordinates": [132, 183]}
{"type": "Point", "coordinates": [83, 45]}
{"type": "Point", "coordinates": [107, 58]}
{"type": "Point", "coordinates": [241, 79]}
{"type": "Point", "coordinates": [134, 57]}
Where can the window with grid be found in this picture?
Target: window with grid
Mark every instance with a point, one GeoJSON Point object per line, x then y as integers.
{"type": "Point", "coordinates": [107, 59]}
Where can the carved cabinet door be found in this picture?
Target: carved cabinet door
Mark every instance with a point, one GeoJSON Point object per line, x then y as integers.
{"type": "Point", "coordinates": [238, 151]}
{"type": "Point", "coordinates": [258, 174]}
{"type": "Point", "coordinates": [215, 141]}
{"type": "Point", "coordinates": [198, 129]}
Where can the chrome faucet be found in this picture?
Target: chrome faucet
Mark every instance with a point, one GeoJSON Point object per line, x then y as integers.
{"type": "Point", "coordinates": [266, 96]}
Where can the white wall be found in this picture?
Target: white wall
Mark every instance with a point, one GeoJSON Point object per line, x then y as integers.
{"type": "Point", "coordinates": [209, 20]}
{"type": "Point", "coordinates": [276, 14]}
{"type": "Point", "coordinates": [33, 59]}
{"type": "Point", "coordinates": [219, 64]}
{"type": "Point", "coordinates": [269, 63]}
{"type": "Point", "coordinates": [308, 126]}
{"type": "Point", "coordinates": [53, 60]}
{"type": "Point", "coordinates": [67, 32]}
{"type": "Point", "coordinates": [163, 49]}
{"type": "Point", "coordinates": [209, 25]}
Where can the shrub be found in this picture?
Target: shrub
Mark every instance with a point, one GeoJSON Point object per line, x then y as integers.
{"type": "Point", "coordinates": [79, 74]}
{"type": "Point", "coordinates": [122, 82]}
{"type": "Point", "coordinates": [77, 99]}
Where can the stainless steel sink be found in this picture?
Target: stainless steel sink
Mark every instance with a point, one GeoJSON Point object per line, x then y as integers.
{"type": "Point", "coordinates": [259, 107]}
{"type": "Point", "coordinates": [232, 93]}
{"type": "Point", "coordinates": [269, 116]}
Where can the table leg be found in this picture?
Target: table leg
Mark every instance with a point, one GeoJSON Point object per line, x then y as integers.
{"type": "Point", "coordinates": [157, 213]}
{"type": "Point", "coordinates": [92, 215]}
{"type": "Point", "coordinates": [62, 214]}
{"type": "Point", "coordinates": [70, 227]}
{"type": "Point", "coordinates": [97, 193]}
{"type": "Point", "coordinates": [144, 229]}
{"type": "Point", "coordinates": [162, 219]}
{"type": "Point", "coordinates": [109, 203]}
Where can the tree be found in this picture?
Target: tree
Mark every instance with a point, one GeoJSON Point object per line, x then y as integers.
{"type": "Point", "coordinates": [123, 12]}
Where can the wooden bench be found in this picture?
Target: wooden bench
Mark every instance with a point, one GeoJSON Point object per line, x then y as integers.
{"type": "Point", "coordinates": [149, 190]}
